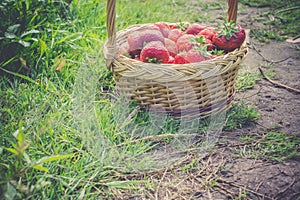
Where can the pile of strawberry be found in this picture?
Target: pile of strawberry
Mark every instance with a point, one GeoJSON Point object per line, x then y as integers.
{"type": "Point", "coordinates": [182, 43]}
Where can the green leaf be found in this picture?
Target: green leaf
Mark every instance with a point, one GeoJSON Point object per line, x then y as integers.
{"type": "Point", "coordinates": [72, 37]}
{"type": "Point", "coordinates": [29, 32]}
{"type": "Point", "coordinates": [53, 158]}
{"type": "Point", "coordinates": [19, 136]}
{"type": "Point", "coordinates": [9, 61]}
{"type": "Point", "coordinates": [9, 35]}
{"type": "Point", "coordinates": [27, 2]}
{"type": "Point", "coordinates": [16, 133]}
{"type": "Point", "coordinates": [34, 39]}
{"type": "Point", "coordinates": [41, 168]}
{"type": "Point", "coordinates": [43, 46]}
{"type": "Point", "coordinates": [6, 166]}
{"type": "Point", "coordinates": [13, 28]}
{"type": "Point", "coordinates": [24, 43]}
{"type": "Point", "coordinates": [20, 76]}
{"type": "Point", "coordinates": [122, 184]}
{"type": "Point", "coordinates": [10, 192]}
{"type": "Point", "coordinates": [227, 29]}
{"type": "Point", "coordinates": [26, 158]}
{"type": "Point", "coordinates": [11, 150]}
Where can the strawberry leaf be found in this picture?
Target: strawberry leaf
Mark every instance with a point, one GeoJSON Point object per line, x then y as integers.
{"type": "Point", "coordinates": [227, 29]}
{"type": "Point", "coordinates": [217, 52]}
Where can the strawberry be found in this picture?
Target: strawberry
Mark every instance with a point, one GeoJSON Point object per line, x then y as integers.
{"type": "Point", "coordinates": [208, 32]}
{"type": "Point", "coordinates": [156, 52]}
{"type": "Point", "coordinates": [184, 43]}
{"type": "Point", "coordinates": [171, 46]}
{"type": "Point", "coordinates": [180, 58]}
{"type": "Point", "coordinates": [173, 26]}
{"type": "Point", "coordinates": [229, 36]}
{"type": "Point", "coordinates": [174, 34]}
{"type": "Point", "coordinates": [163, 27]}
{"type": "Point", "coordinates": [194, 56]}
{"type": "Point", "coordinates": [194, 29]}
{"type": "Point", "coordinates": [199, 52]}
{"type": "Point", "coordinates": [180, 26]}
{"type": "Point", "coordinates": [210, 45]}
{"type": "Point", "coordinates": [213, 56]}
{"type": "Point", "coordinates": [137, 39]}
{"type": "Point", "coordinates": [171, 60]}
{"type": "Point", "coordinates": [191, 56]}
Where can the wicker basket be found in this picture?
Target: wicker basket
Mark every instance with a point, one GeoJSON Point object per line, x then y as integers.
{"type": "Point", "coordinates": [195, 89]}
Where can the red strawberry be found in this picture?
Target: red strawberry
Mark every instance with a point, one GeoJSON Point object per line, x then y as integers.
{"type": "Point", "coordinates": [194, 29]}
{"type": "Point", "coordinates": [180, 59]}
{"type": "Point", "coordinates": [213, 56]}
{"type": "Point", "coordinates": [229, 37]}
{"type": "Point", "coordinates": [210, 46]}
{"type": "Point", "coordinates": [171, 46]}
{"type": "Point", "coordinates": [191, 56]}
{"type": "Point", "coordinates": [173, 26]}
{"type": "Point", "coordinates": [164, 28]}
{"type": "Point", "coordinates": [197, 53]}
{"type": "Point", "coordinates": [184, 43]}
{"type": "Point", "coordinates": [208, 32]}
{"type": "Point", "coordinates": [137, 39]}
{"type": "Point", "coordinates": [175, 34]}
{"type": "Point", "coordinates": [200, 43]}
{"type": "Point", "coordinates": [180, 26]}
{"type": "Point", "coordinates": [156, 52]}
{"type": "Point", "coordinates": [171, 60]}
{"type": "Point", "coordinates": [194, 56]}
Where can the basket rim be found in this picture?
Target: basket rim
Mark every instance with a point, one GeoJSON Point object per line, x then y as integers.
{"type": "Point", "coordinates": [129, 67]}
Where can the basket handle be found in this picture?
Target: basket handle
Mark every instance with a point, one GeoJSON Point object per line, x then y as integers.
{"type": "Point", "coordinates": [111, 27]}
{"type": "Point", "coordinates": [232, 10]}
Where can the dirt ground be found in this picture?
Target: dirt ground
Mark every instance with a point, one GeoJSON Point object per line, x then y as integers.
{"type": "Point", "coordinates": [244, 178]}
{"type": "Point", "coordinates": [280, 110]}
{"type": "Point", "coordinates": [225, 176]}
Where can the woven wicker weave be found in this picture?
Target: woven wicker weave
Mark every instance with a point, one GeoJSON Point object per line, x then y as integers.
{"type": "Point", "coordinates": [196, 89]}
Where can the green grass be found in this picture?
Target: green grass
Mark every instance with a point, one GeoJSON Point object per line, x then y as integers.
{"type": "Point", "coordinates": [276, 146]}
{"type": "Point", "coordinates": [247, 80]}
{"type": "Point", "coordinates": [240, 115]}
{"type": "Point", "coordinates": [63, 134]}
{"type": "Point", "coordinates": [61, 115]}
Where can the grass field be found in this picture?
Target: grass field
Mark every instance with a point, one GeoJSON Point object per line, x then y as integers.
{"type": "Point", "coordinates": [60, 136]}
